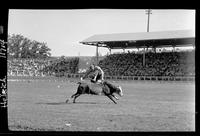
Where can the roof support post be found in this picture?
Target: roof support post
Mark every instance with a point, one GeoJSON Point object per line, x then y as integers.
{"type": "Point", "coordinates": [144, 57]}
{"type": "Point", "coordinates": [173, 50]}
{"type": "Point", "coordinates": [97, 55]}
{"type": "Point", "coordinates": [110, 50]}
{"type": "Point", "coordinates": [154, 49]}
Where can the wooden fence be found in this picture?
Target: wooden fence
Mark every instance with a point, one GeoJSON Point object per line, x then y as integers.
{"type": "Point", "coordinates": [150, 78]}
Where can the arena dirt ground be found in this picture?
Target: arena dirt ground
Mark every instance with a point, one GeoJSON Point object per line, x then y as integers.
{"type": "Point", "coordinates": [39, 105]}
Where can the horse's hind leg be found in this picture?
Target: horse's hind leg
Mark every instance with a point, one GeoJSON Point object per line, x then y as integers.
{"type": "Point", "coordinates": [71, 97]}
{"type": "Point", "coordinates": [76, 95]}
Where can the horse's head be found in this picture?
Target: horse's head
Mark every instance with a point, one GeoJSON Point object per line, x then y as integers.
{"type": "Point", "coordinates": [119, 91]}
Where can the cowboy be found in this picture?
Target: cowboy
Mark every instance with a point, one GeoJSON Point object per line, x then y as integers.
{"type": "Point", "coordinates": [98, 74]}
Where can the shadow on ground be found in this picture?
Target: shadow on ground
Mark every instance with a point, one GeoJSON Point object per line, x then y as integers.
{"type": "Point", "coordinates": [63, 103]}
{"type": "Point", "coordinates": [52, 103]}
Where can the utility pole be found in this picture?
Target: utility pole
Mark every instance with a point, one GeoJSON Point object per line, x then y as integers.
{"type": "Point", "coordinates": [148, 12]}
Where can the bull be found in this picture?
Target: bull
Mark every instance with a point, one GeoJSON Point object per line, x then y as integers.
{"type": "Point", "coordinates": [106, 89]}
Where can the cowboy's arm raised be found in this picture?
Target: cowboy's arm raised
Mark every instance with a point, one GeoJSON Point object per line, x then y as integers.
{"type": "Point", "coordinates": [101, 72]}
{"type": "Point", "coordinates": [87, 73]}
{"type": "Point", "coordinates": [102, 75]}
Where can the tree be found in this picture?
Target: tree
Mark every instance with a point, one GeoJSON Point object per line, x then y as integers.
{"type": "Point", "coordinates": [25, 52]}
{"type": "Point", "coordinates": [14, 45]}
{"type": "Point", "coordinates": [44, 51]}
{"type": "Point", "coordinates": [22, 47]}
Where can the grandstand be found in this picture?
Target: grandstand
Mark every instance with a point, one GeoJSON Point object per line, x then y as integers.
{"type": "Point", "coordinates": [172, 64]}
{"type": "Point", "coordinates": [157, 64]}
{"type": "Point", "coordinates": [142, 40]}
{"type": "Point", "coordinates": [148, 65]}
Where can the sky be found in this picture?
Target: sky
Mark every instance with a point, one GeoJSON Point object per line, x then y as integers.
{"type": "Point", "coordinates": [63, 30]}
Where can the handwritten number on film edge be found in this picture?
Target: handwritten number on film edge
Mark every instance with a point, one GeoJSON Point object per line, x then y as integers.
{"type": "Point", "coordinates": [3, 49]}
{"type": "Point", "coordinates": [3, 89]}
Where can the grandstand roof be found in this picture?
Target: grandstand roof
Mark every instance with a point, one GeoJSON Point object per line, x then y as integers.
{"type": "Point", "coordinates": [142, 39]}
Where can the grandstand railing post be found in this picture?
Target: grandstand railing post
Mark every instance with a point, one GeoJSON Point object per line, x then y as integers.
{"type": "Point", "coordinates": [144, 57]}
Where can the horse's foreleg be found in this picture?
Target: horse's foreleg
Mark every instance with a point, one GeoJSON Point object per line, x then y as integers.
{"type": "Point", "coordinates": [115, 97]}
{"type": "Point", "coordinates": [109, 96]}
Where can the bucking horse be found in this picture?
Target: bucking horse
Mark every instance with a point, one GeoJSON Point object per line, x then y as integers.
{"type": "Point", "coordinates": [105, 88]}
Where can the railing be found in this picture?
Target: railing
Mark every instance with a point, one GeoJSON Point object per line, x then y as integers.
{"type": "Point", "coordinates": [24, 73]}
{"type": "Point", "coordinates": [151, 78]}
{"type": "Point", "coordinates": [146, 78]}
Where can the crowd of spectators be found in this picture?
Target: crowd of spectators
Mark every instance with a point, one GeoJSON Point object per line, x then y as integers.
{"type": "Point", "coordinates": [31, 67]}
{"type": "Point", "coordinates": [156, 64]}
{"type": "Point", "coordinates": [122, 64]}
{"type": "Point", "coordinates": [62, 66]}
{"type": "Point", "coordinates": [41, 67]}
